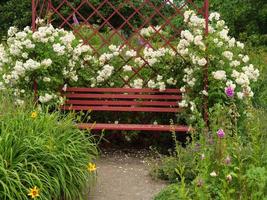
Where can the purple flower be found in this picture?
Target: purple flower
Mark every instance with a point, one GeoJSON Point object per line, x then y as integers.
{"type": "Point", "coordinates": [75, 20]}
{"type": "Point", "coordinates": [220, 133]}
{"type": "Point", "coordinates": [141, 41]}
{"type": "Point", "coordinates": [227, 160]}
{"type": "Point", "coordinates": [229, 91]}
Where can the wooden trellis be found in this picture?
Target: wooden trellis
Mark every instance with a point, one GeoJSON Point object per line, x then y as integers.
{"type": "Point", "coordinates": [124, 19]}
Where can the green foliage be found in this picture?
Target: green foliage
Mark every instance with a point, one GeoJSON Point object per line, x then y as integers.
{"type": "Point", "coordinates": [171, 192]}
{"type": "Point", "coordinates": [14, 13]}
{"type": "Point", "coordinates": [42, 150]}
{"type": "Point", "coordinates": [260, 88]}
{"type": "Point", "coordinates": [256, 179]}
{"type": "Point", "coordinates": [228, 167]}
{"type": "Point", "coordinates": [166, 168]}
{"type": "Point", "coordinates": [246, 19]}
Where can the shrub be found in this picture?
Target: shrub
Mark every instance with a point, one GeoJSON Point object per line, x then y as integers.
{"type": "Point", "coordinates": [55, 58]}
{"type": "Point", "coordinates": [50, 56]}
{"type": "Point", "coordinates": [14, 13]}
{"type": "Point", "coordinates": [231, 73]}
{"type": "Point", "coordinates": [229, 164]}
{"type": "Point", "coordinates": [171, 192]}
{"type": "Point", "coordinates": [44, 152]}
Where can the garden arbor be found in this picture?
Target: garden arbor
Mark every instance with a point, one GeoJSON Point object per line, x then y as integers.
{"type": "Point", "coordinates": [102, 23]}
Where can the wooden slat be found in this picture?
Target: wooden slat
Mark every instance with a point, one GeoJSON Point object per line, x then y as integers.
{"type": "Point", "coordinates": [122, 109]}
{"type": "Point", "coordinates": [121, 96]}
{"type": "Point", "coordinates": [121, 90]}
{"type": "Point", "coordinates": [123, 103]}
{"type": "Point", "coordinates": [134, 127]}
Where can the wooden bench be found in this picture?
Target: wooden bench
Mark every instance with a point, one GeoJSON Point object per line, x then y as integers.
{"type": "Point", "coordinates": [124, 100]}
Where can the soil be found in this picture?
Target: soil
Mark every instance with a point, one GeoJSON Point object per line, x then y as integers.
{"type": "Point", "coordinates": [125, 176]}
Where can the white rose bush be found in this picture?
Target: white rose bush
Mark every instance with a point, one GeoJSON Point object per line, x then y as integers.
{"type": "Point", "coordinates": [49, 56]}
{"type": "Point", "coordinates": [55, 58]}
{"type": "Point", "coordinates": [230, 73]}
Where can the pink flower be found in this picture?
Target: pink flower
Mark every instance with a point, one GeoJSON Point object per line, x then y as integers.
{"type": "Point", "coordinates": [227, 160]}
{"type": "Point", "coordinates": [75, 20]}
{"type": "Point", "coordinates": [229, 91]}
{"type": "Point", "coordinates": [220, 133]}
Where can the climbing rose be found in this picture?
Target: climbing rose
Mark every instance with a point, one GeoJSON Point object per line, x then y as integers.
{"type": "Point", "coordinates": [229, 91]}
{"type": "Point", "coordinates": [220, 133]}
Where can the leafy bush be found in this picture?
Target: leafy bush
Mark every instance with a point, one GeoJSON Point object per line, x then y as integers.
{"type": "Point", "coordinates": [166, 168]}
{"type": "Point", "coordinates": [43, 154]}
{"type": "Point", "coordinates": [14, 13]}
{"type": "Point", "coordinates": [229, 164]}
{"type": "Point", "coordinates": [55, 58]}
{"type": "Point", "coordinates": [248, 21]}
{"type": "Point", "coordinates": [171, 192]}
{"type": "Point", "coordinates": [50, 56]}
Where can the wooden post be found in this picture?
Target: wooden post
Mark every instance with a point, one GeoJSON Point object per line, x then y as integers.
{"type": "Point", "coordinates": [34, 29]}
{"type": "Point", "coordinates": [206, 70]}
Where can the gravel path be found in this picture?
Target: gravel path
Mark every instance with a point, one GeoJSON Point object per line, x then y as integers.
{"type": "Point", "coordinates": [124, 177]}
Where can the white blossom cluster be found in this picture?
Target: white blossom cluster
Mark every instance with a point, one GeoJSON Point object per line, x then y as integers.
{"type": "Point", "coordinates": [153, 56]}
{"type": "Point", "coordinates": [46, 55]}
{"type": "Point", "coordinates": [137, 83]}
{"type": "Point", "coordinates": [159, 83]}
{"type": "Point", "coordinates": [230, 68]}
{"type": "Point", "coordinates": [149, 31]}
{"type": "Point", "coordinates": [103, 74]}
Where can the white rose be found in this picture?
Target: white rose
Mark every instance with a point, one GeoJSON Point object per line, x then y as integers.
{"type": "Point", "coordinates": [245, 59]}
{"type": "Point", "coordinates": [219, 75]}
{"type": "Point", "coordinates": [202, 62]}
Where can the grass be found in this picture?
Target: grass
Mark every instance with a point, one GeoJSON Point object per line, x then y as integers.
{"type": "Point", "coordinates": [42, 150]}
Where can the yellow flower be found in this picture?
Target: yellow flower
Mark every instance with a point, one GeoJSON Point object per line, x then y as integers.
{"type": "Point", "coordinates": [34, 192]}
{"type": "Point", "coordinates": [34, 114]}
{"type": "Point", "coordinates": [91, 167]}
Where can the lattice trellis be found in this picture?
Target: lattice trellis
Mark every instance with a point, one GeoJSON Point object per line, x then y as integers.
{"type": "Point", "coordinates": [124, 19]}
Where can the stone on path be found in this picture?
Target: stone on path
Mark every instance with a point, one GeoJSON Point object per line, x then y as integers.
{"type": "Point", "coordinates": [124, 177]}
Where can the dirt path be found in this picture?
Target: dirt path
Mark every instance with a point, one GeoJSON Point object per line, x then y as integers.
{"type": "Point", "coordinates": [124, 177]}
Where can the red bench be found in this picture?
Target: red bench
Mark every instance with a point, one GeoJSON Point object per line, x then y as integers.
{"type": "Point", "coordinates": [124, 100]}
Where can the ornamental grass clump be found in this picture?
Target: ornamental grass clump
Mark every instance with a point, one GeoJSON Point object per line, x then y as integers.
{"type": "Point", "coordinates": [42, 155]}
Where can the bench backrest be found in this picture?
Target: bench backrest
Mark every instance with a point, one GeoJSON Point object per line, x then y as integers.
{"type": "Point", "coordinates": [122, 99]}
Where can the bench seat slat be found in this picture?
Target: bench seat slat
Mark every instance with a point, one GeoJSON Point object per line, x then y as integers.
{"type": "Point", "coordinates": [123, 103]}
{"type": "Point", "coordinates": [122, 109]}
{"type": "Point", "coordinates": [120, 96]}
{"type": "Point", "coordinates": [134, 127]}
{"type": "Point", "coordinates": [122, 90]}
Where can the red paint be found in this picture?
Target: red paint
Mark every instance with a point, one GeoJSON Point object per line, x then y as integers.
{"type": "Point", "coordinates": [135, 127]}
{"type": "Point", "coordinates": [121, 90]}
{"type": "Point", "coordinates": [65, 21]}
{"type": "Point", "coordinates": [123, 103]}
{"type": "Point", "coordinates": [120, 96]}
{"type": "Point", "coordinates": [122, 109]}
